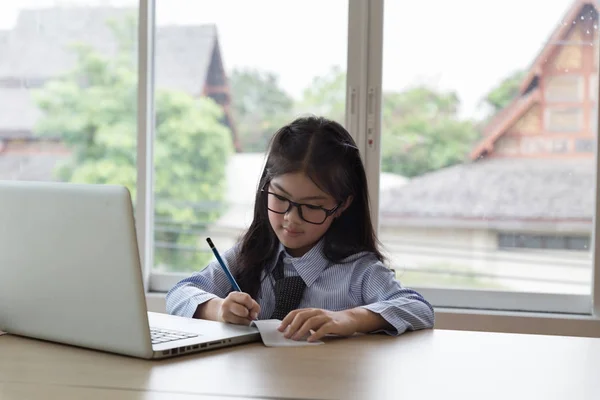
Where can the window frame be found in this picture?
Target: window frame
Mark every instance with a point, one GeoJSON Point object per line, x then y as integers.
{"type": "Point", "coordinates": [144, 210]}
{"type": "Point", "coordinates": [595, 287]}
{"type": "Point", "coordinates": [363, 120]}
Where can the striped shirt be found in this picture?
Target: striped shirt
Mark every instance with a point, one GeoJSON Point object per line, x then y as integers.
{"type": "Point", "coordinates": [360, 280]}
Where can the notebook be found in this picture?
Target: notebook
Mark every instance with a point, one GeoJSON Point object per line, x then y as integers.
{"type": "Point", "coordinates": [272, 337]}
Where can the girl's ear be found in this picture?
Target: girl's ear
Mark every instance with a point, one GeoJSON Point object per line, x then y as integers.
{"type": "Point", "coordinates": [344, 206]}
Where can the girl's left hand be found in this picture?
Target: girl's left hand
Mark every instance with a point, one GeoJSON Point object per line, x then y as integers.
{"type": "Point", "coordinates": [300, 322]}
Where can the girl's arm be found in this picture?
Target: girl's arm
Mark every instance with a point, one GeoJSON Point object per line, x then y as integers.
{"type": "Point", "coordinates": [387, 307]}
{"type": "Point", "coordinates": [401, 308]}
{"type": "Point", "coordinates": [367, 321]}
{"type": "Point", "coordinates": [186, 296]}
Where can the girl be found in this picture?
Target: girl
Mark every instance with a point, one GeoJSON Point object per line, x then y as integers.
{"type": "Point", "coordinates": [310, 256]}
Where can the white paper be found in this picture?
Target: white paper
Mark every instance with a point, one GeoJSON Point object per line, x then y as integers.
{"type": "Point", "coordinates": [2, 333]}
{"type": "Point", "coordinates": [271, 337]}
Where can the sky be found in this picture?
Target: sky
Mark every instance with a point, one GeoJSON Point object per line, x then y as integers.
{"type": "Point", "coordinates": [463, 45]}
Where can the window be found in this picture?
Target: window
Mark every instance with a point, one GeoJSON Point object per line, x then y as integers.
{"type": "Point", "coordinates": [560, 146]}
{"type": "Point", "coordinates": [550, 242]}
{"type": "Point", "coordinates": [564, 119]}
{"type": "Point", "coordinates": [53, 128]}
{"type": "Point", "coordinates": [585, 145]}
{"type": "Point", "coordinates": [429, 113]}
{"type": "Point", "coordinates": [564, 88]}
{"type": "Point", "coordinates": [447, 108]}
{"type": "Point", "coordinates": [224, 84]}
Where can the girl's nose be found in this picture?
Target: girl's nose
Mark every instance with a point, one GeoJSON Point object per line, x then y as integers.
{"type": "Point", "coordinates": [293, 215]}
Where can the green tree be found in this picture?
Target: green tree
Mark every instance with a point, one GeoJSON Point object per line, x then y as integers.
{"type": "Point", "coordinates": [93, 109]}
{"type": "Point", "coordinates": [421, 129]}
{"type": "Point", "coordinates": [501, 95]}
{"type": "Point", "coordinates": [260, 107]}
{"type": "Point", "coordinates": [326, 96]}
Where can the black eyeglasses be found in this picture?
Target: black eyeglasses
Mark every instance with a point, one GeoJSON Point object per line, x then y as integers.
{"type": "Point", "coordinates": [312, 214]}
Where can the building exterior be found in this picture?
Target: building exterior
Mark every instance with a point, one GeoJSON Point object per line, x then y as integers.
{"type": "Point", "coordinates": [36, 50]}
{"type": "Point", "coordinates": [519, 214]}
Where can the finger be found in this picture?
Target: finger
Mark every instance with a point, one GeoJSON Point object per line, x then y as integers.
{"type": "Point", "coordinates": [234, 319]}
{"type": "Point", "coordinates": [241, 298]}
{"type": "Point", "coordinates": [254, 310]}
{"type": "Point", "coordinates": [288, 319]}
{"type": "Point", "coordinates": [325, 329]}
{"type": "Point", "coordinates": [239, 310]}
{"type": "Point", "coordinates": [313, 323]}
{"type": "Point", "coordinates": [247, 301]}
{"type": "Point", "coordinates": [299, 320]}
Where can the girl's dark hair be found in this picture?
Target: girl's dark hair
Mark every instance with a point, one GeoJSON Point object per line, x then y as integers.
{"type": "Point", "coordinates": [328, 155]}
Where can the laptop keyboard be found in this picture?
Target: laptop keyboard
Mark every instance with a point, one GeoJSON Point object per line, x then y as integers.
{"type": "Point", "coordinates": [167, 335]}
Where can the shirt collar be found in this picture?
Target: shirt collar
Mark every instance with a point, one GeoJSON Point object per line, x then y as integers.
{"type": "Point", "coordinates": [310, 265]}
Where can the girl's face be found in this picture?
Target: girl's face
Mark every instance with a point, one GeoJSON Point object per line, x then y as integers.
{"type": "Point", "coordinates": [295, 233]}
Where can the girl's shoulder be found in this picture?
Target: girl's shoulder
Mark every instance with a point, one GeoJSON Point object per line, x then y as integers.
{"type": "Point", "coordinates": [362, 260]}
{"type": "Point", "coordinates": [364, 266]}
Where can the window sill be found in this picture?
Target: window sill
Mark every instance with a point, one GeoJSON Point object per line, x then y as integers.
{"type": "Point", "coordinates": [485, 320]}
{"type": "Point", "coordinates": [518, 322]}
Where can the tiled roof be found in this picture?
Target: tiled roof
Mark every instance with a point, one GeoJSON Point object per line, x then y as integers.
{"type": "Point", "coordinates": [37, 49]}
{"type": "Point", "coordinates": [498, 189]}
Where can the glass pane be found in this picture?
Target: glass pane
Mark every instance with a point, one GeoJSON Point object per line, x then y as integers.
{"type": "Point", "coordinates": [487, 169]}
{"type": "Point", "coordinates": [68, 82]}
{"type": "Point", "coordinates": [556, 242]}
{"type": "Point", "coordinates": [564, 88]}
{"type": "Point", "coordinates": [225, 83]}
{"type": "Point", "coordinates": [564, 119]}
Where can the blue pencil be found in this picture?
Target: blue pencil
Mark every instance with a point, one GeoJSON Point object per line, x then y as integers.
{"type": "Point", "coordinates": [236, 287]}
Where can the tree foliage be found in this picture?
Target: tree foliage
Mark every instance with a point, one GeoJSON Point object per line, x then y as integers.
{"type": "Point", "coordinates": [93, 110]}
{"type": "Point", "coordinates": [421, 129]}
{"type": "Point", "coordinates": [326, 96]}
{"type": "Point", "coordinates": [260, 107]}
{"type": "Point", "coordinates": [502, 94]}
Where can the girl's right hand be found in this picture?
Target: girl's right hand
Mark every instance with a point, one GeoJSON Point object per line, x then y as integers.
{"type": "Point", "coordinates": [238, 308]}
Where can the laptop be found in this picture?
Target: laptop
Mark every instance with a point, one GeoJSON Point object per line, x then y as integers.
{"type": "Point", "coordinates": [70, 273]}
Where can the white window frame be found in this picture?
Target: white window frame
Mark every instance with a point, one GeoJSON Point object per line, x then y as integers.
{"type": "Point", "coordinates": [595, 295]}
{"type": "Point", "coordinates": [144, 210]}
{"type": "Point", "coordinates": [363, 119]}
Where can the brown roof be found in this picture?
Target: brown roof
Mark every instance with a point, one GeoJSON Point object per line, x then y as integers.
{"type": "Point", "coordinates": [504, 120]}
{"type": "Point", "coordinates": [528, 91]}
{"type": "Point", "coordinates": [559, 33]}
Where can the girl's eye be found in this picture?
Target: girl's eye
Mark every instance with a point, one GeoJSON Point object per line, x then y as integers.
{"type": "Point", "coordinates": [280, 198]}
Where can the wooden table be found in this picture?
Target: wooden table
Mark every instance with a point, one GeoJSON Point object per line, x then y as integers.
{"type": "Point", "coordinates": [432, 364]}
